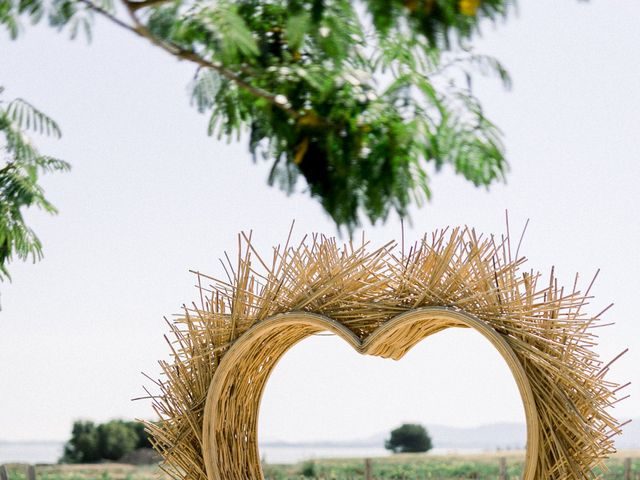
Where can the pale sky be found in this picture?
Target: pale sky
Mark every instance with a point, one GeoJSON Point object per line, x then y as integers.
{"type": "Point", "coordinates": [150, 196]}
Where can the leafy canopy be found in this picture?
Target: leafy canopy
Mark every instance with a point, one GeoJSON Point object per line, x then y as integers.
{"type": "Point", "coordinates": [354, 108]}
{"type": "Point", "coordinates": [358, 98]}
{"type": "Point", "coordinates": [409, 438]}
{"type": "Point", "coordinates": [20, 167]}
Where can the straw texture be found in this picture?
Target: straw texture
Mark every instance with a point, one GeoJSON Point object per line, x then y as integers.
{"type": "Point", "coordinates": [382, 301]}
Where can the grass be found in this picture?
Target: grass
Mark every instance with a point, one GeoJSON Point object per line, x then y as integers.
{"type": "Point", "coordinates": [435, 467]}
{"type": "Point", "coordinates": [101, 471]}
{"type": "Point", "coordinates": [397, 467]}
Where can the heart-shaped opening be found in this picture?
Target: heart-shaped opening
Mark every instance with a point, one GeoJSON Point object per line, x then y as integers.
{"type": "Point", "coordinates": [323, 402]}
{"type": "Point", "coordinates": [233, 402]}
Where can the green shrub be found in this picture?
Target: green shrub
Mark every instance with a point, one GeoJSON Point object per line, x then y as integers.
{"type": "Point", "coordinates": [308, 469]}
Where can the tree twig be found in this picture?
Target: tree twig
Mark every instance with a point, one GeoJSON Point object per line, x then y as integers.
{"type": "Point", "coordinates": [146, 3]}
{"type": "Point", "coordinates": [139, 29]}
{"type": "Point", "coordinates": [108, 15]}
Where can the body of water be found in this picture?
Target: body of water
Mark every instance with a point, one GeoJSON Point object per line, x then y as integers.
{"type": "Point", "coordinates": [297, 454]}
{"type": "Point", "coordinates": [30, 452]}
{"type": "Point", "coordinates": [293, 454]}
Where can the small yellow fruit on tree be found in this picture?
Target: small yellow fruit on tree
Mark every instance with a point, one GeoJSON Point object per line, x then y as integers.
{"type": "Point", "coordinates": [469, 7]}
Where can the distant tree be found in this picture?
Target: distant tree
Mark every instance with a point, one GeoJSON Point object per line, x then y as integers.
{"type": "Point", "coordinates": [409, 438]}
{"type": "Point", "coordinates": [116, 438]}
{"type": "Point", "coordinates": [83, 445]}
{"type": "Point", "coordinates": [108, 441]}
{"type": "Point", "coordinates": [143, 436]}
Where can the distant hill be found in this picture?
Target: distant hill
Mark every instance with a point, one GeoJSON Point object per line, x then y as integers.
{"type": "Point", "coordinates": [504, 436]}
{"type": "Point", "coordinates": [497, 436]}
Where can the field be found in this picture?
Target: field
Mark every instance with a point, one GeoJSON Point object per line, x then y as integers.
{"type": "Point", "coordinates": [398, 467]}
{"type": "Point", "coordinates": [419, 467]}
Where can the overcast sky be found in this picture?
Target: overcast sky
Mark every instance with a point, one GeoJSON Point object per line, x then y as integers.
{"type": "Point", "coordinates": [151, 196]}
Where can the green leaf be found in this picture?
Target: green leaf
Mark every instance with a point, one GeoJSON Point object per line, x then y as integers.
{"type": "Point", "coordinates": [236, 38]}
{"type": "Point", "coordinates": [26, 116]}
{"type": "Point", "coordinates": [297, 27]}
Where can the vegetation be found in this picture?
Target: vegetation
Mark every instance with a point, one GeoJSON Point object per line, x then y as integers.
{"type": "Point", "coordinates": [355, 97]}
{"type": "Point", "coordinates": [407, 466]}
{"type": "Point", "coordinates": [409, 438]}
{"type": "Point", "coordinates": [108, 441]}
{"type": "Point", "coordinates": [308, 469]}
{"type": "Point", "coordinates": [396, 467]}
{"type": "Point", "coordinates": [420, 466]}
{"type": "Point", "coordinates": [20, 168]}
{"type": "Point", "coordinates": [106, 471]}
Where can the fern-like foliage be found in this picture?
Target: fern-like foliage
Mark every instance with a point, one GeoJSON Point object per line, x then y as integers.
{"type": "Point", "coordinates": [365, 109]}
{"type": "Point", "coordinates": [357, 98]}
{"type": "Point", "coordinates": [21, 167]}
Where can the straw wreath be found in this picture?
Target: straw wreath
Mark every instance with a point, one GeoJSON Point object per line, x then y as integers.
{"type": "Point", "coordinates": [382, 301]}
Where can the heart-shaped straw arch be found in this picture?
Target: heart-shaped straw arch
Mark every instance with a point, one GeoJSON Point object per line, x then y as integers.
{"type": "Point", "coordinates": [260, 348]}
{"type": "Point", "coordinates": [382, 302]}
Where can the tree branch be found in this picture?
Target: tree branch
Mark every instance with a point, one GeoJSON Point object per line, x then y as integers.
{"type": "Point", "coordinates": [146, 3]}
{"type": "Point", "coordinates": [139, 29]}
{"type": "Point", "coordinates": [108, 15]}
